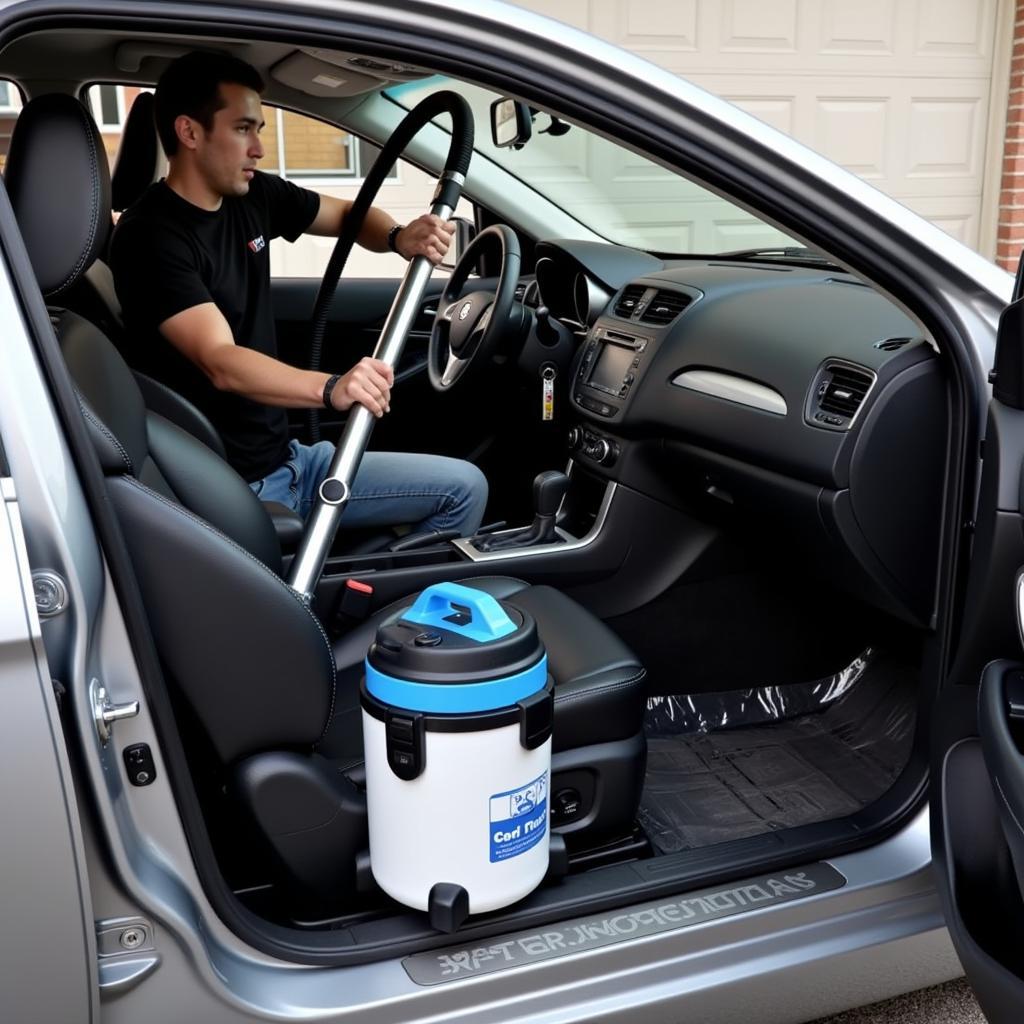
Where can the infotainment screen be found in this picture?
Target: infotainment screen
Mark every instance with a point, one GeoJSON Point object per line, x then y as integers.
{"type": "Point", "coordinates": [613, 362]}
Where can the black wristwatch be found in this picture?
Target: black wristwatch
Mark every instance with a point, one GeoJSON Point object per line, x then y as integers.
{"type": "Point", "coordinates": [393, 237]}
{"type": "Point", "coordinates": [329, 388]}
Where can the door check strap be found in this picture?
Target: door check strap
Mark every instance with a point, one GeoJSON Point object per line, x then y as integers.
{"type": "Point", "coordinates": [529, 947]}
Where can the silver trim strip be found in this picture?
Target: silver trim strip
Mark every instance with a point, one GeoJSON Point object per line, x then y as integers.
{"type": "Point", "coordinates": [733, 389]}
{"type": "Point", "coordinates": [571, 543]}
{"type": "Point", "coordinates": [459, 963]}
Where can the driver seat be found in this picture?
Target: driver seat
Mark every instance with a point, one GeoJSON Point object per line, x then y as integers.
{"type": "Point", "coordinates": [250, 666]}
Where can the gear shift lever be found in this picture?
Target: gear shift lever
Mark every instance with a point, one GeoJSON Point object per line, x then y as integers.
{"type": "Point", "coordinates": [549, 489]}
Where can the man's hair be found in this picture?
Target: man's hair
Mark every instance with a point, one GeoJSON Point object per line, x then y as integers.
{"type": "Point", "coordinates": [191, 86]}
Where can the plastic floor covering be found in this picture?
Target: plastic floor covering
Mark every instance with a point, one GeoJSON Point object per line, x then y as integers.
{"type": "Point", "coordinates": [712, 777]}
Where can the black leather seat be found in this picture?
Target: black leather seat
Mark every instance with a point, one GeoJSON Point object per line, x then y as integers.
{"type": "Point", "coordinates": [140, 160]}
{"type": "Point", "coordinates": [597, 676]}
{"type": "Point", "coordinates": [138, 163]}
{"type": "Point", "coordinates": [274, 701]}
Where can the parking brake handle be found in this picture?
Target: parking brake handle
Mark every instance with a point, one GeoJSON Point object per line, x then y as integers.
{"type": "Point", "coordinates": [549, 489]}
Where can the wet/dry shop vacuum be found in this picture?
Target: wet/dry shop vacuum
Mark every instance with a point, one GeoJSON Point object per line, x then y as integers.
{"type": "Point", "coordinates": [457, 707]}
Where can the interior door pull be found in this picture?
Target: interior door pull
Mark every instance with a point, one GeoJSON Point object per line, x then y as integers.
{"type": "Point", "coordinates": [1014, 690]}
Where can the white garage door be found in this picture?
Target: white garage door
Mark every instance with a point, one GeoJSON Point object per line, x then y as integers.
{"type": "Point", "coordinates": [897, 91]}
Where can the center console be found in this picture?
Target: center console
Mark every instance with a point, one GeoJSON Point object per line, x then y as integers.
{"type": "Point", "coordinates": [611, 362]}
{"type": "Point", "coordinates": [610, 365]}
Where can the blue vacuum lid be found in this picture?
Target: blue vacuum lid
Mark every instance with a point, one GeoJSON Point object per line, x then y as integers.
{"type": "Point", "coordinates": [457, 636]}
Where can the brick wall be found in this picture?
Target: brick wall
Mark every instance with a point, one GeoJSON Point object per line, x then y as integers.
{"type": "Point", "coordinates": [310, 145]}
{"type": "Point", "coordinates": [6, 127]}
{"type": "Point", "coordinates": [1010, 238]}
{"type": "Point", "coordinates": [313, 146]}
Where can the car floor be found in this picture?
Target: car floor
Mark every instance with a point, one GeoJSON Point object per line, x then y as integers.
{"type": "Point", "coordinates": [733, 764]}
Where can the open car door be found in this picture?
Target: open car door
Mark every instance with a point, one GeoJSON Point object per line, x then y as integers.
{"type": "Point", "coordinates": [47, 950]}
{"type": "Point", "coordinates": [977, 791]}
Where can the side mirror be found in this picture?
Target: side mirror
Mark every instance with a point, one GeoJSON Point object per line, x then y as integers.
{"type": "Point", "coordinates": [1007, 374]}
{"type": "Point", "coordinates": [511, 123]}
{"type": "Point", "coordinates": [464, 233]}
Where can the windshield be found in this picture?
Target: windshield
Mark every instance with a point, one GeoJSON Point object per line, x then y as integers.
{"type": "Point", "coordinates": [619, 195]}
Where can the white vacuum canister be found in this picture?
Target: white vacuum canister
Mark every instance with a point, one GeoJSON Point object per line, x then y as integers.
{"type": "Point", "coordinates": [457, 711]}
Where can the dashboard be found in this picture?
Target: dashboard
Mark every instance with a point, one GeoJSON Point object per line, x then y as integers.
{"type": "Point", "coordinates": [791, 402]}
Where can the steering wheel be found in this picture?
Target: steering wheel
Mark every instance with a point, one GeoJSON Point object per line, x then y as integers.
{"type": "Point", "coordinates": [334, 492]}
{"type": "Point", "coordinates": [469, 328]}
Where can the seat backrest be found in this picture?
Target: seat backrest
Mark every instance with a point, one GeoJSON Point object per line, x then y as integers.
{"type": "Point", "coordinates": [154, 450]}
{"type": "Point", "coordinates": [140, 160]}
{"type": "Point", "coordinates": [33, 179]}
{"type": "Point", "coordinates": [250, 658]}
{"type": "Point", "coordinates": [161, 399]}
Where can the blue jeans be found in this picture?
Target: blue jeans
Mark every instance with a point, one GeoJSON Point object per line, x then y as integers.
{"type": "Point", "coordinates": [432, 492]}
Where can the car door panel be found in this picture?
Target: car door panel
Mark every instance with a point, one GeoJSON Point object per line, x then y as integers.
{"type": "Point", "coordinates": [988, 628]}
{"type": "Point", "coordinates": [357, 313]}
{"type": "Point", "coordinates": [981, 900]}
{"type": "Point", "coordinates": [1000, 716]}
{"type": "Point", "coordinates": [977, 740]}
{"type": "Point", "coordinates": [420, 419]}
{"type": "Point", "coordinates": [44, 895]}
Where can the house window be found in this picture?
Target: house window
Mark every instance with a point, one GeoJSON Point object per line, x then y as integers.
{"type": "Point", "coordinates": [107, 105]}
{"type": "Point", "coordinates": [10, 108]}
{"type": "Point", "coordinates": [10, 98]}
{"type": "Point", "coordinates": [311, 151]}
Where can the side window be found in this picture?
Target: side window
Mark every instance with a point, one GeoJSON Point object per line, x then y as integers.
{"type": "Point", "coordinates": [10, 107]}
{"type": "Point", "coordinates": [307, 150]}
{"type": "Point", "coordinates": [328, 160]}
{"type": "Point", "coordinates": [107, 103]}
{"type": "Point", "coordinates": [109, 106]}
{"type": "Point", "coordinates": [302, 149]}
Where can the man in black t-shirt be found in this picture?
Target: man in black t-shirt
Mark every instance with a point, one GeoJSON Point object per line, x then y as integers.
{"type": "Point", "coordinates": [191, 265]}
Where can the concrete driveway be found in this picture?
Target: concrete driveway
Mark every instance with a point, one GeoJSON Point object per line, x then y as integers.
{"type": "Point", "coordinates": [952, 1003]}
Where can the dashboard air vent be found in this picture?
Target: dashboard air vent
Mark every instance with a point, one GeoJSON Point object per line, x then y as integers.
{"type": "Point", "coordinates": [837, 393]}
{"type": "Point", "coordinates": [892, 344]}
{"type": "Point", "coordinates": [844, 389]}
{"type": "Point", "coordinates": [664, 308]}
{"type": "Point", "coordinates": [629, 300]}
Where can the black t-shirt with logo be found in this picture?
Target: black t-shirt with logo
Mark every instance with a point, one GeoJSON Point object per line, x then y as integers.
{"type": "Point", "coordinates": [168, 255]}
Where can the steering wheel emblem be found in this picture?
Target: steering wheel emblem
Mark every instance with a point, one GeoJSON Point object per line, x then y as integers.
{"type": "Point", "coordinates": [464, 310]}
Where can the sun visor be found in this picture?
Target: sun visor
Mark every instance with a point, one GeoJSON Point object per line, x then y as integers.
{"type": "Point", "coordinates": [330, 73]}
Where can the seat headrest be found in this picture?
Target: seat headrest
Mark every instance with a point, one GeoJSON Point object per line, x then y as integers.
{"type": "Point", "coordinates": [140, 159]}
{"type": "Point", "coordinates": [59, 185]}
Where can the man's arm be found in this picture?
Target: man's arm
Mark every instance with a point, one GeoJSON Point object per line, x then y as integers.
{"type": "Point", "coordinates": [203, 336]}
{"type": "Point", "coordinates": [425, 236]}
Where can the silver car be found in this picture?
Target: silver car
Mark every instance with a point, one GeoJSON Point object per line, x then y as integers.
{"type": "Point", "coordinates": [775, 579]}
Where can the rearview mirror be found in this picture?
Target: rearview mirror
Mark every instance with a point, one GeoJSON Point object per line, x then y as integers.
{"type": "Point", "coordinates": [511, 123]}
